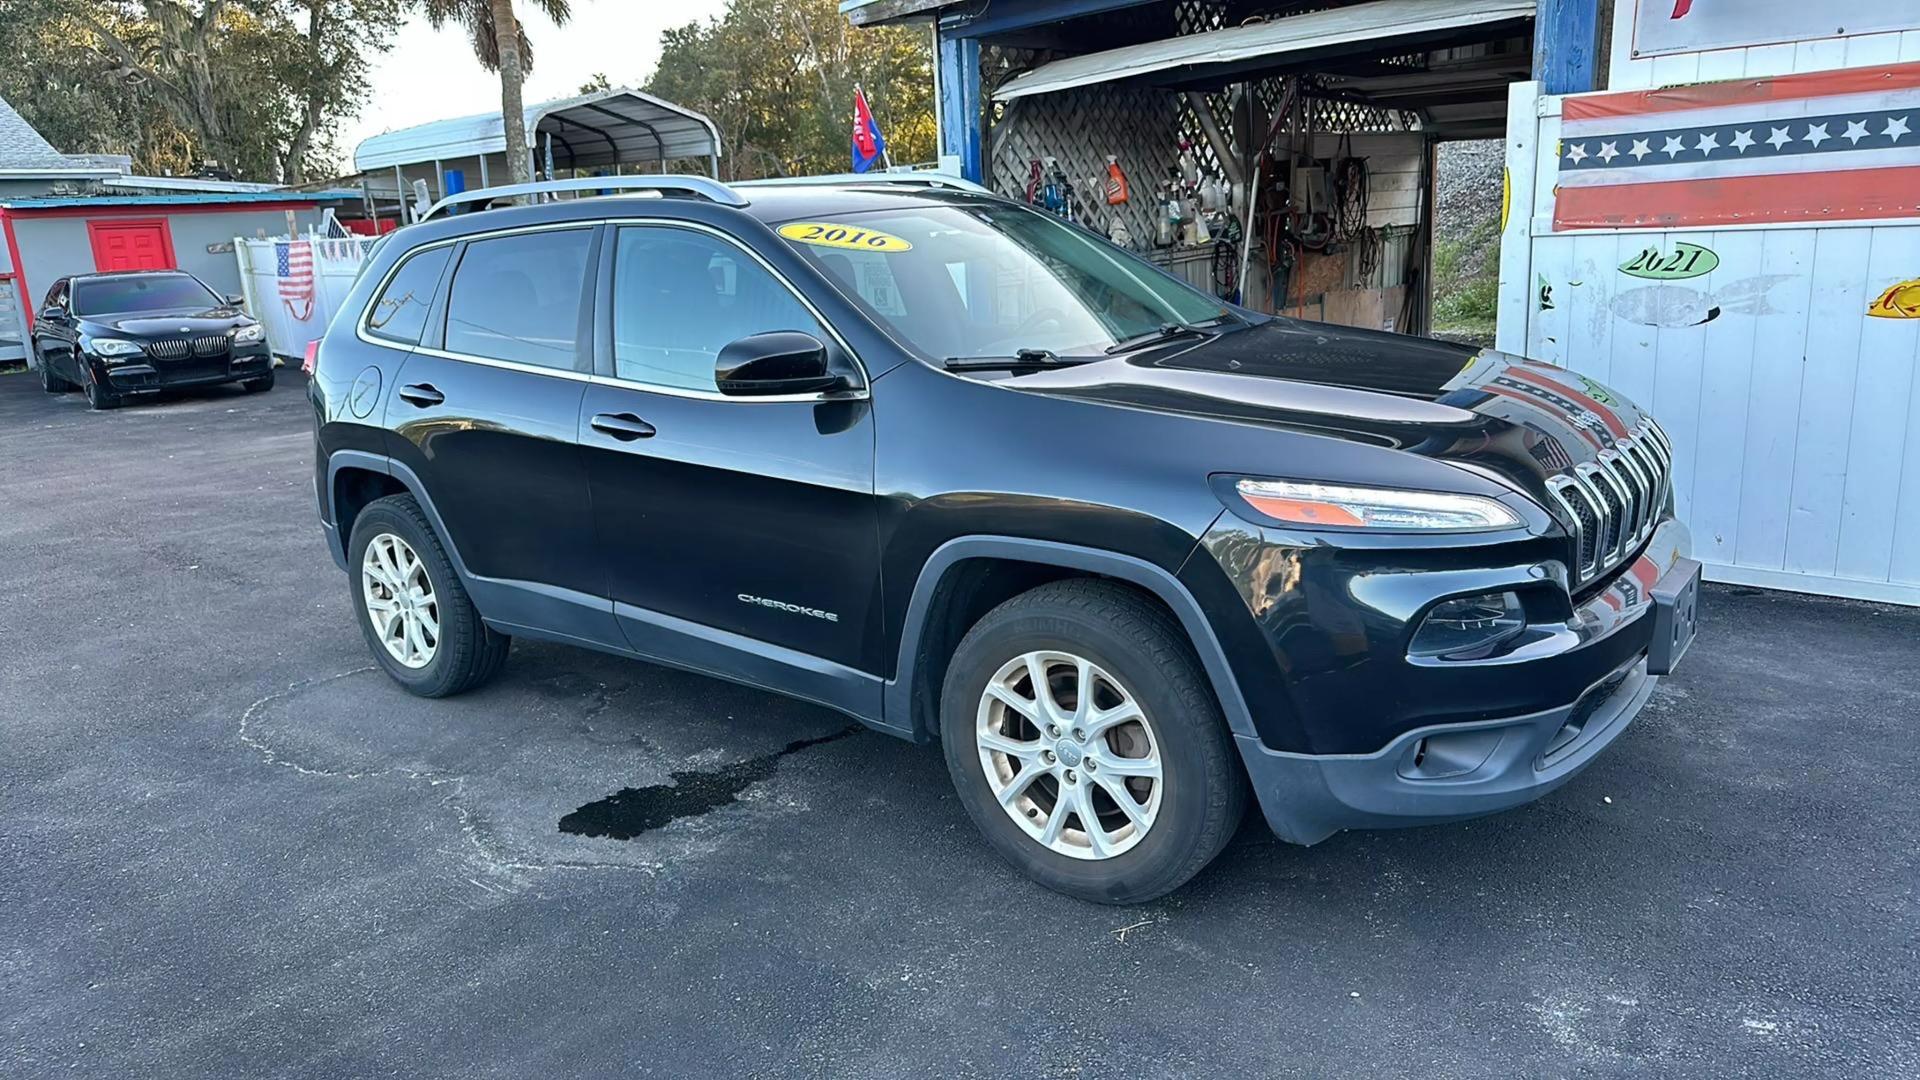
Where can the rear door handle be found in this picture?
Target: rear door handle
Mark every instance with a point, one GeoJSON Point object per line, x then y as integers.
{"type": "Point", "coordinates": [422, 394]}
{"type": "Point", "coordinates": [623, 426]}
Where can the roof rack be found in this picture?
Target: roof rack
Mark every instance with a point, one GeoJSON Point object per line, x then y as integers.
{"type": "Point", "coordinates": [923, 179]}
{"type": "Point", "coordinates": [712, 190]}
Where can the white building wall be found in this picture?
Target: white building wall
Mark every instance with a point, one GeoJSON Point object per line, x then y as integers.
{"type": "Point", "coordinates": [1627, 72]}
{"type": "Point", "coordinates": [1795, 417]}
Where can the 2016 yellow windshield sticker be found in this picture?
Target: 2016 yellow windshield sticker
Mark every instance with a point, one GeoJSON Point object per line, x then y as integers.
{"type": "Point", "coordinates": [827, 234]}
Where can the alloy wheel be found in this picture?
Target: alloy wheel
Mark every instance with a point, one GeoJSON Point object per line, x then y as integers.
{"type": "Point", "coordinates": [1069, 755]}
{"type": "Point", "coordinates": [400, 600]}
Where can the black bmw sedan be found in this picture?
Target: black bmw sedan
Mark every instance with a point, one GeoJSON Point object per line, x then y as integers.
{"type": "Point", "coordinates": [138, 331]}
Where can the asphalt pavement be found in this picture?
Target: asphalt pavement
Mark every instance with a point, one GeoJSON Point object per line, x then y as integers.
{"type": "Point", "coordinates": [229, 847]}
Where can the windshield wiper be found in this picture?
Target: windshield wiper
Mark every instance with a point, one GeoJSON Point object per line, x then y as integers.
{"type": "Point", "coordinates": [1166, 332]}
{"type": "Point", "coordinates": [1021, 360]}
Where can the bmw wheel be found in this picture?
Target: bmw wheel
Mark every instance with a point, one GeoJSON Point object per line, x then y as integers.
{"type": "Point", "coordinates": [51, 383]}
{"type": "Point", "coordinates": [99, 397]}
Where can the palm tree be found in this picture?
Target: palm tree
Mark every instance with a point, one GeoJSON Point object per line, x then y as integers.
{"type": "Point", "coordinates": [501, 44]}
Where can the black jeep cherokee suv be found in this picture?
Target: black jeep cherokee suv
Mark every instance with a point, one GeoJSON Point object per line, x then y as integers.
{"type": "Point", "coordinates": [964, 471]}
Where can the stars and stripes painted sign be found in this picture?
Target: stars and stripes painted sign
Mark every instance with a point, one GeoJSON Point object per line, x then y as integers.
{"type": "Point", "coordinates": [293, 267]}
{"type": "Point", "coordinates": [1823, 146]}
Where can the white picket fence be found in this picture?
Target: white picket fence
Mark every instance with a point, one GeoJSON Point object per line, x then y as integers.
{"type": "Point", "coordinates": [291, 324]}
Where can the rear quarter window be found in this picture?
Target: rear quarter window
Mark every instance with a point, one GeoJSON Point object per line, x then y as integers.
{"type": "Point", "coordinates": [399, 313]}
{"type": "Point", "coordinates": [521, 298]}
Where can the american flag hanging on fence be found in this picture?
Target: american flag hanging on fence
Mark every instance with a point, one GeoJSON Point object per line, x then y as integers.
{"type": "Point", "coordinates": [1823, 146]}
{"type": "Point", "coordinates": [293, 266]}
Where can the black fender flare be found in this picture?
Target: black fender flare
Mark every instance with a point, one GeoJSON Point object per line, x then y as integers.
{"type": "Point", "coordinates": [381, 463]}
{"type": "Point", "coordinates": [1154, 579]}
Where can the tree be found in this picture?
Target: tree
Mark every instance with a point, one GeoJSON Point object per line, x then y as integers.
{"type": "Point", "coordinates": [255, 86]}
{"type": "Point", "coordinates": [500, 43]}
{"type": "Point", "coordinates": [777, 77]}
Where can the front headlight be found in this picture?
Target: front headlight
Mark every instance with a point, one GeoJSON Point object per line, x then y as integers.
{"type": "Point", "coordinates": [107, 348]}
{"type": "Point", "coordinates": [247, 335]}
{"type": "Point", "coordinates": [1316, 505]}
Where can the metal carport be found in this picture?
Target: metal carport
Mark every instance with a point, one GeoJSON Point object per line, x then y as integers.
{"type": "Point", "coordinates": [602, 130]}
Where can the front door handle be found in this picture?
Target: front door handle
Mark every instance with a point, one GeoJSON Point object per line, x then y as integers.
{"type": "Point", "coordinates": [623, 426]}
{"type": "Point", "coordinates": [422, 394]}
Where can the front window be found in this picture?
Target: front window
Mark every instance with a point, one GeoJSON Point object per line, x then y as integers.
{"type": "Point", "coordinates": [145, 292]}
{"type": "Point", "coordinates": [680, 296]}
{"type": "Point", "coordinates": [991, 280]}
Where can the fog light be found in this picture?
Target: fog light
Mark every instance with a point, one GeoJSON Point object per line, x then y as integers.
{"type": "Point", "coordinates": [1469, 627]}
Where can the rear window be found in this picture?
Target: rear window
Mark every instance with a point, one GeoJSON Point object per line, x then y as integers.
{"type": "Point", "coordinates": [401, 311]}
{"type": "Point", "coordinates": [147, 292]}
{"type": "Point", "coordinates": [521, 298]}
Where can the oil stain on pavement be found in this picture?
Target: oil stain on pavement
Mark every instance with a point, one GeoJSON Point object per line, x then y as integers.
{"type": "Point", "coordinates": [629, 812]}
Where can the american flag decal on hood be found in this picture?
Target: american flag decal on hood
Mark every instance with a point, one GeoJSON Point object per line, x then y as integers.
{"type": "Point", "coordinates": [1824, 146]}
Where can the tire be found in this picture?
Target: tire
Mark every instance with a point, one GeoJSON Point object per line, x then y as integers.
{"type": "Point", "coordinates": [51, 383]}
{"type": "Point", "coordinates": [465, 651]}
{"type": "Point", "coordinates": [259, 385]}
{"type": "Point", "coordinates": [1134, 650]}
{"type": "Point", "coordinates": [99, 397]}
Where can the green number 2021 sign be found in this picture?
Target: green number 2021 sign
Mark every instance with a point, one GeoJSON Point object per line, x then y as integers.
{"type": "Point", "coordinates": [1685, 261]}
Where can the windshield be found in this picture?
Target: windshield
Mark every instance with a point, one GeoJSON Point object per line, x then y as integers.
{"type": "Point", "coordinates": [147, 292]}
{"type": "Point", "coordinates": [991, 280]}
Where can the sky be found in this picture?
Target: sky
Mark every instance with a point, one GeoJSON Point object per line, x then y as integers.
{"type": "Point", "coordinates": [432, 75]}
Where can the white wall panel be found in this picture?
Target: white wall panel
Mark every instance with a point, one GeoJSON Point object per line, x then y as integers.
{"type": "Point", "coordinates": [1625, 72]}
{"type": "Point", "coordinates": [1795, 417]}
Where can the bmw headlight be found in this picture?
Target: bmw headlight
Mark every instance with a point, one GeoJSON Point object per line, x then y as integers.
{"type": "Point", "coordinates": [247, 335]}
{"type": "Point", "coordinates": [107, 348]}
{"type": "Point", "coordinates": [1343, 506]}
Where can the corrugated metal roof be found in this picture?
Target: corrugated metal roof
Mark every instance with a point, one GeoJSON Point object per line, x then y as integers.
{"type": "Point", "coordinates": [1384, 22]}
{"type": "Point", "coordinates": [132, 182]}
{"type": "Point", "coordinates": [604, 128]}
{"type": "Point", "coordinates": [237, 199]}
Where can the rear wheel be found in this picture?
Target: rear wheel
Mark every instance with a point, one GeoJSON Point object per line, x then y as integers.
{"type": "Point", "coordinates": [255, 386]}
{"type": "Point", "coordinates": [417, 618]}
{"type": "Point", "coordinates": [1085, 743]}
{"type": "Point", "coordinates": [51, 383]}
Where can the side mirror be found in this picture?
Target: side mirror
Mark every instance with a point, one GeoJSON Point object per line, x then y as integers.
{"type": "Point", "coordinates": [235, 299]}
{"type": "Point", "coordinates": [53, 313]}
{"type": "Point", "coordinates": [777, 362]}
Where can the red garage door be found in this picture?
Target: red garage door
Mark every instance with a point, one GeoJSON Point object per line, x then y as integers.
{"type": "Point", "coordinates": [131, 245]}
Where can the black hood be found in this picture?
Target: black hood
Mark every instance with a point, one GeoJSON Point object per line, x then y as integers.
{"type": "Point", "coordinates": [1482, 410]}
{"type": "Point", "coordinates": [167, 324]}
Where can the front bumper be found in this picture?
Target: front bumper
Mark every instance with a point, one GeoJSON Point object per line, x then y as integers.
{"type": "Point", "coordinates": [146, 373]}
{"type": "Point", "coordinates": [1446, 772]}
{"type": "Point", "coordinates": [1461, 739]}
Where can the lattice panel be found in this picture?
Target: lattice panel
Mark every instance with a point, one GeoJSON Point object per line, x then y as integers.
{"type": "Point", "coordinates": [1080, 128]}
{"type": "Point", "coordinates": [1142, 126]}
{"type": "Point", "coordinates": [1342, 117]}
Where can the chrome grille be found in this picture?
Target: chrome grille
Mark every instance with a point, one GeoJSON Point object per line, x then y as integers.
{"type": "Point", "coordinates": [205, 346]}
{"type": "Point", "coordinates": [1614, 503]}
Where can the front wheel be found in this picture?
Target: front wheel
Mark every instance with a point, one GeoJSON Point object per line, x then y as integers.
{"type": "Point", "coordinates": [416, 616]}
{"type": "Point", "coordinates": [99, 397]}
{"type": "Point", "coordinates": [255, 386]}
{"type": "Point", "coordinates": [1086, 744]}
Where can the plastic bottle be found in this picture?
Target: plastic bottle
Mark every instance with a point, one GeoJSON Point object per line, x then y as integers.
{"type": "Point", "coordinates": [1117, 192]}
